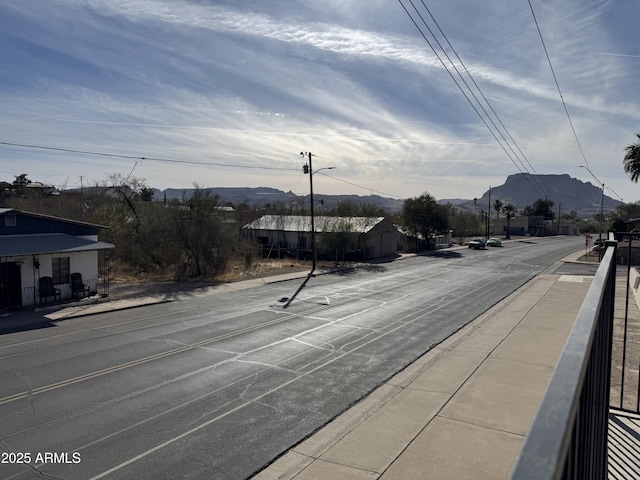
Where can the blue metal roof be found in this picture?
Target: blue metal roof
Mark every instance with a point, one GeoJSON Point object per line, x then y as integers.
{"type": "Point", "coordinates": [40, 244]}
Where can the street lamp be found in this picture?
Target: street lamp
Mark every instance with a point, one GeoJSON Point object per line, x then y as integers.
{"type": "Point", "coordinates": [307, 169]}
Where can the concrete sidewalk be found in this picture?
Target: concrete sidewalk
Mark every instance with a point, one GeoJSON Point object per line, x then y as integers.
{"type": "Point", "coordinates": [459, 412]}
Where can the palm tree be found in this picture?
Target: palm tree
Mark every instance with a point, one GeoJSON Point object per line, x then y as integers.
{"type": "Point", "coordinates": [497, 206]}
{"type": "Point", "coordinates": [631, 160]}
{"type": "Point", "coordinates": [510, 211]}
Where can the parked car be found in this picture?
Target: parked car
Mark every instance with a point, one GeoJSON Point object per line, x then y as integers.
{"type": "Point", "coordinates": [494, 242]}
{"type": "Point", "coordinates": [477, 243]}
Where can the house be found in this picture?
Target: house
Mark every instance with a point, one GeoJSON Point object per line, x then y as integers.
{"type": "Point", "coordinates": [533, 225]}
{"type": "Point", "coordinates": [408, 242]}
{"type": "Point", "coordinates": [34, 247]}
{"type": "Point", "coordinates": [362, 238]}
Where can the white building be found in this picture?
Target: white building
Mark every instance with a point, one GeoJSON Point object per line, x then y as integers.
{"type": "Point", "coordinates": [37, 251]}
{"type": "Point", "coordinates": [364, 238]}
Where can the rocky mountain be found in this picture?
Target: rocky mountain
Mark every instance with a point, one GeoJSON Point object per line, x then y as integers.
{"type": "Point", "coordinates": [522, 189]}
{"type": "Point", "coordinates": [262, 196]}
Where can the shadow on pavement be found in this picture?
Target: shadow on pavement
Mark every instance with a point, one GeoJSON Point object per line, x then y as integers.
{"type": "Point", "coordinates": [302, 285]}
{"type": "Point", "coordinates": [446, 254]}
{"type": "Point", "coordinates": [24, 323]}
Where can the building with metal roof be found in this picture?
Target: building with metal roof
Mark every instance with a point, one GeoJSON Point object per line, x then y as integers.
{"type": "Point", "coordinates": [363, 238]}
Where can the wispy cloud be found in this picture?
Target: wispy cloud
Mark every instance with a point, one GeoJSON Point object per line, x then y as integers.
{"type": "Point", "coordinates": [248, 83]}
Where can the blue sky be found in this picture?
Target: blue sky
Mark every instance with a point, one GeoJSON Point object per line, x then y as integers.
{"type": "Point", "coordinates": [228, 93]}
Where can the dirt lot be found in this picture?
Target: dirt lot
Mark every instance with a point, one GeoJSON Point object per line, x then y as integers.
{"type": "Point", "coordinates": [126, 285]}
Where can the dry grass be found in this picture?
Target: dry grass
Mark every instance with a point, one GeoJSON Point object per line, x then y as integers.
{"type": "Point", "coordinates": [235, 271]}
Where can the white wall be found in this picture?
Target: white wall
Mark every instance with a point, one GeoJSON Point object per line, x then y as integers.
{"type": "Point", "coordinates": [85, 263]}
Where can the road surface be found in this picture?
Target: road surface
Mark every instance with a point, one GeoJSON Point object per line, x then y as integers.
{"type": "Point", "coordinates": [216, 387]}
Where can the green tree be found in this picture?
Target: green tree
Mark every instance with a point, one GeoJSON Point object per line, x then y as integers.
{"type": "Point", "coordinates": [20, 182]}
{"type": "Point", "coordinates": [349, 208]}
{"type": "Point", "coordinates": [542, 208]}
{"type": "Point", "coordinates": [425, 217]}
{"type": "Point", "coordinates": [509, 211]}
{"type": "Point", "coordinates": [340, 239]}
{"type": "Point", "coordinates": [622, 214]}
{"type": "Point", "coordinates": [631, 162]}
{"type": "Point", "coordinates": [464, 224]}
{"type": "Point", "coordinates": [146, 194]}
{"type": "Point", "coordinates": [497, 206]}
{"type": "Point", "coordinates": [206, 237]}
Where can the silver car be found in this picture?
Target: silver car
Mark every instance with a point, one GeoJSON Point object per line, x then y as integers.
{"type": "Point", "coordinates": [477, 243]}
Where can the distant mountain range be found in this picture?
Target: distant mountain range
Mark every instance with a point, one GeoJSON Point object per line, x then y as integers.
{"type": "Point", "coordinates": [568, 194]}
{"type": "Point", "coordinates": [522, 189]}
{"type": "Point", "coordinates": [261, 196]}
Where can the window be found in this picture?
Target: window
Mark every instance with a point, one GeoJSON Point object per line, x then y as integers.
{"type": "Point", "coordinates": [60, 268]}
{"type": "Point", "coordinates": [10, 220]}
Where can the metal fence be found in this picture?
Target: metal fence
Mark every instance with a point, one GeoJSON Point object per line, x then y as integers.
{"type": "Point", "coordinates": [30, 299]}
{"type": "Point", "coordinates": [568, 436]}
{"type": "Point", "coordinates": [625, 386]}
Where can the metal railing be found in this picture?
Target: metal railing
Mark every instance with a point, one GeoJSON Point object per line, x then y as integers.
{"type": "Point", "coordinates": [30, 297]}
{"type": "Point", "coordinates": [568, 436]}
{"type": "Point", "coordinates": [625, 388]}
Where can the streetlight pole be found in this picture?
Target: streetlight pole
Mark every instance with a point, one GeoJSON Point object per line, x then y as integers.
{"type": "Point", "coordinates": [489, 215]}
{"type": "Point", "coordinates": [601, 197]}
{"type": "Point", "coordinates": [600, 250]}
{"type": "Point", "coordinates": [601, 207]}
{"type": "Point", "coordinates": [309, 169]}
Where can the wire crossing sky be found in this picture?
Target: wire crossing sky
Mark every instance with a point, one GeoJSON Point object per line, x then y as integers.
{"type": "Point", "coordinates": [227, 93]}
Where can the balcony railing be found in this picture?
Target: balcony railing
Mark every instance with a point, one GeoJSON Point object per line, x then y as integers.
{"type": "Point", "coordinates": [625, 381]}
{"type": "Point", "coordinates": [568, 436]}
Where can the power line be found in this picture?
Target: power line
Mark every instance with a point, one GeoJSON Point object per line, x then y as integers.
{"type": "Point", "coordinates": [555, 79]}
{"type": "Point", "coordinates": [359, 186]}
{"type": "Point", "coordinates": [138, 157]}
{"type": "Point", "coordinates": [484, 120]}
{"type": "Point", "coordinates": [485, 98]}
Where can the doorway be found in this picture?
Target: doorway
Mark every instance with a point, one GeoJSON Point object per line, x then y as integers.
{"type": "Point", "coordinates": [10, 286]}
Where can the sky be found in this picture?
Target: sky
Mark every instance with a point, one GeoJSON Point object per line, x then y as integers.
{"type": "Point", "coordinates": [229, 93]}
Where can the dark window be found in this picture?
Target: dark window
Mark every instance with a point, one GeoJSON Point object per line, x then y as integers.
{"type": "Point", "coordinates": [10, 220]}
{"type": "Point", "coordinates": [60, 269]}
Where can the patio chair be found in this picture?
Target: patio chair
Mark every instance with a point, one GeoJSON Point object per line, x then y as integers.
{"type": "Point", "coordinates": [77, 287]}
{"type": "Point", "coordinates": [48, 290]}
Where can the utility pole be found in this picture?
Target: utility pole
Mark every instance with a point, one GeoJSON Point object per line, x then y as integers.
{"type": "Point", "coordinates": [489, 214]}
{"type": "Point", "coordinates": [601, 210]}
{"type": "Point", "coordinates": [600, 249]}
{"type": "Point", "coordinates": [308, 169]}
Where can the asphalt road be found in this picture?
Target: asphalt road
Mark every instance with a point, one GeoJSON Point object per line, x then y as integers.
{"type": "Point", "coordinates": [216, 387]}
